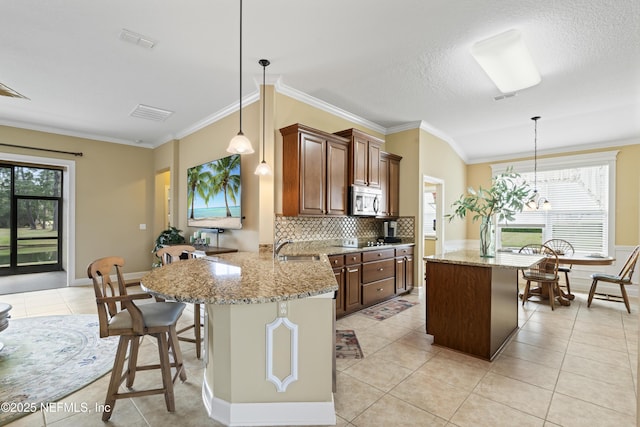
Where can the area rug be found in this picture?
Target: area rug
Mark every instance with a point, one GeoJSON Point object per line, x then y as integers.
{"type": "Point", "coordinates": [347, 346]}
{"type": "Point", "coordinates": [387, 309]}
{"type": "Point", "coordinates": [47, 358]}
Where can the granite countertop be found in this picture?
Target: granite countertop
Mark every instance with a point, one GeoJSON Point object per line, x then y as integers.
{"type": "Point", "coordinates": [472, 257]}
{"type": "Point", "coordinates": [240, 278]}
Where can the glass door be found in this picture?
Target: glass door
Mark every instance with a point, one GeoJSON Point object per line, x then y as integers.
{"type": "Point", "coordinates": [31, 242]}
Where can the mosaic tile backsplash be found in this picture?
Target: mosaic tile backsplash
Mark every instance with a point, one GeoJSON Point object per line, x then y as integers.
{"type": "Point", "coordinates": [342, 227]}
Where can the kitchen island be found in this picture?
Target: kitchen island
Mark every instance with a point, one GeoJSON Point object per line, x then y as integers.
{"type": "Point", "coordinates": [471, 301]}
{"type": "Point", "coordinates": [269, 334]}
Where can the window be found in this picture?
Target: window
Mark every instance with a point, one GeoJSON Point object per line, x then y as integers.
{"type": "Point", "coordinates": [429, 210]}
{"type": "Point", "coordinates": [581, 192]}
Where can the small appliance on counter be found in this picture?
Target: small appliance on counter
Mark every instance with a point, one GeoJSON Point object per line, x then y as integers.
{"type": "Point", "coordinates": [390, 232]}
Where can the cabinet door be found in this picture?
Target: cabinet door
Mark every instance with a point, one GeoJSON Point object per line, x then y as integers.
{"type": "Point", "coordinates": [408, 276]}
{"type": "Point", "coordinates": [401, 285]}
{"type": "Point", "coordinates": [394, 188]}
{"type": "Point", "coordinates": [373, 164]}
{"type": "Point", "coordinates": [359, 160]}
{"type": "Point", "coordinates": [340, 276]}
{"type": "Point", "coordinates": [337, 177]}
{"type": "Point", "coordinates": [353, 298]}
{"type": "Point", "coordinates": [312, 174]}
{"type": "Point", "coordinates": [384, 185]}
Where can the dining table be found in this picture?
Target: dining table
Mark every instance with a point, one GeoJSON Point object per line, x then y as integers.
{"type": "Point", "coordinates": [565, 298]}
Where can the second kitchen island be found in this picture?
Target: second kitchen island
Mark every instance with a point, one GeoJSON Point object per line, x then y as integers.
{"type": "Point", "coordinates": [472, 302]}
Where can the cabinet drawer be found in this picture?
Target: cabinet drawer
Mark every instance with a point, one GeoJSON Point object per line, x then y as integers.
{"type": "Point", "coordinates": [377, 291]}
{"type": "Point", "coordinates": [377, 254]}
{"type": "Point", "coordinates": [350, 259]}
{"type": "Point", "coordinates": [404, 251]}
{"type": "Point", "coordinates": [336, 261]}
{"type": "Point", "coordinates": [378, 270]}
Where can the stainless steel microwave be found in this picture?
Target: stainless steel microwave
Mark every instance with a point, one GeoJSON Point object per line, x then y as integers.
{"type": "Point", "coordinates": [365, 201]}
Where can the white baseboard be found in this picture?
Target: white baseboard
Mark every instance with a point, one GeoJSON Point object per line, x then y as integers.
{"type": "Point", "coordinates": [268, 414]}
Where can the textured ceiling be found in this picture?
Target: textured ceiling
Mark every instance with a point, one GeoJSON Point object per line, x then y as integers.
{"type": "Point", "coordinates": [393, 64]}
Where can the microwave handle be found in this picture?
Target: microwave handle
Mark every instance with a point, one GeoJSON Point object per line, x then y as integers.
{"type": "Point", "coordinates": [376, 204]}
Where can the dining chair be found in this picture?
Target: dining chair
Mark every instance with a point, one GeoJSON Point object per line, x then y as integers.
{"type": "Point", "coordinates": [544, 273]}
{"type": "Point", "coordinates": [119, 315]}
{"type": "Point", "coordinates": [167, 255]}
{"type": "Point", "coordinates": [562, 247]}
{"type": "Point", "coordinates": [623, 279]}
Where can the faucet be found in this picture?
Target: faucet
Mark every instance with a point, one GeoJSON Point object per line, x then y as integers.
{"type": "Point", "coordinates": [278, 245]}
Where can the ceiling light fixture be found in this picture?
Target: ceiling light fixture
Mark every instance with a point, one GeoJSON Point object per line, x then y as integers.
{"type": "Point", "coordinates": [263, 168]}
{"type": "Point", "coordinates": [240, 144]}
{"type": "Point", "coordinates": [536, 202]}
{"type": "Point", "coordinates": [507, 61]}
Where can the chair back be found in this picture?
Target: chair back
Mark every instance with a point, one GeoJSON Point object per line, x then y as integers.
{"type": "Point", "coordinates": [547, 268]}
{"type": "Point", "coordinates": [626, 273]}
{"type": "Point", "coordinates": [100, 272]}
{"type": "Point", "coordinates": [560, 246]}
{"type": "Point", "coordinates": [168, 254]}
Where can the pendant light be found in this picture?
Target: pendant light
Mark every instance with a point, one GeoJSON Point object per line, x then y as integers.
{"type": "Point", "coordinates": [263, 168]}
{"type": "Point", "coordinates": [536, 202]}
{"type": "Point", "coordinates": [240, 144]}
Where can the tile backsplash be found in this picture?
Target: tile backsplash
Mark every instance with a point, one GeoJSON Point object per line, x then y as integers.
{"type": "Point", "coordinates": [339, 227]}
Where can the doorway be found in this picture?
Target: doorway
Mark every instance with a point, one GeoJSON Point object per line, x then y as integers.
{"type": "Point", "coordinates": [432, 215]}
{"type": "Point", "coordinates": [30, 219]}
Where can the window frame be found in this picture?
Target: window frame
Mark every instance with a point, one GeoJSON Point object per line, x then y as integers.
{"type": "Point", "coordinates": [571, 161]}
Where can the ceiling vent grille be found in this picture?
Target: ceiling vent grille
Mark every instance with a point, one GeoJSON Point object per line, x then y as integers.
{"type": "Point", "coordinates": [150, 113]}
{"type": "Point", "coordinates": [7, 91]}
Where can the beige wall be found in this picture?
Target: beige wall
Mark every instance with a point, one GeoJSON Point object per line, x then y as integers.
{"type": "Point", "coordinates": [627, 210]}
{"type": "Point", "coordinates": [113, 196]}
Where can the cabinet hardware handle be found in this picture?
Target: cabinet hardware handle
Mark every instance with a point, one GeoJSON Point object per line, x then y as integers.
{"type": "Point", "coordinates": [380, 269]}
{"type": "Point", "coordinates": [379, 254]}
{"type": "Point", "coordinates": [353, 271]}
{"type": "Point", "coordinates": [380, 289]}
{"type": "Point", "coordinates": [400, 262]}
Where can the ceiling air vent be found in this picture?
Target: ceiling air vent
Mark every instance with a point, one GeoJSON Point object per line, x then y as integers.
{"type": "Point", "coordinates": [150, 113]}
{"type": "Point", "coordinates": [7, 91]}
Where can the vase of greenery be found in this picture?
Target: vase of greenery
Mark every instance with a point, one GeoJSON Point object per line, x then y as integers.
{"type": "Point", "coordinates": [170, 236]}
{"type": "Point", "coordinates": [506, 197]}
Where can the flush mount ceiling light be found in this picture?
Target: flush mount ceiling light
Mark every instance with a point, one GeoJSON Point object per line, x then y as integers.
{"type": "Point", "coordinates": [263, 168]}
{"type": "Point", "coordinates": [240, 144]}
{"type": "Point", "coordinates": [507, 61]}
{"type": "Point", "coordinates": [137, 39]}
{"type": "Point", "coordinates": [536, 202]}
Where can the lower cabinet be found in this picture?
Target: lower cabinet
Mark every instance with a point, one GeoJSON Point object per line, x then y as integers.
{"type": "Point", "coordinates": [369, 277]}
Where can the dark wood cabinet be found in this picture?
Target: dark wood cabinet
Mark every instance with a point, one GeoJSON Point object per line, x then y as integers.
{"type": "Point", "coordinates": [404, 269]}
{"type": "Point", "coordinates": [315, 172]}
{"type": "Point", "coordinates": [371, 276]}
{"type": "Point", "coordinates": [390, 184]}
{"type": "Point", "coordinates": [352, 285]}
{"type": "Point", "coordinates": [364, 158]}
{"type": "Point", "coordinates": [337, 262]}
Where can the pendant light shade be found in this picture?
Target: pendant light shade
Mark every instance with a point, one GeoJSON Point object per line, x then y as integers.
{"type": "Point", "coordinates": [536, 202]}
{"type": "Point", "coordinates": [240, 144]}
{"type": "Point", "coordinates": [263, 168]}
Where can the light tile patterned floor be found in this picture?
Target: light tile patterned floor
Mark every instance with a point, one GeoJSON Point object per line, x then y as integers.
{"type": "Point", "coordinates": [572, 367]}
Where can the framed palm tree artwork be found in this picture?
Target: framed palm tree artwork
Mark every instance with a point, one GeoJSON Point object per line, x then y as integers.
{"type": "Point", "coordinates": [214, 194]}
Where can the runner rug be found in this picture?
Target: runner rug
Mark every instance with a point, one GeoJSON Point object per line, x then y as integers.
{"type": "Point", "coordinates": [47, 358]}
{"type": "Point", "coordinates": [387, 309]}
{"type": "Point", "coordinates": [347, 346]}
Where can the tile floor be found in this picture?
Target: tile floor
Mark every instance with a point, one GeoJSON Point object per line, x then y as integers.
{"type": "Point", "coordinates": [571, 367]}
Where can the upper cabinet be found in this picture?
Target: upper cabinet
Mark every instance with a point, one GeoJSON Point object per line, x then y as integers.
{"type": "Point", "coordinates": [364, 158]}
{"type": "Point", "coordinates": [315, 172]}
{"type": "Point", "coordinates": [390, 184]}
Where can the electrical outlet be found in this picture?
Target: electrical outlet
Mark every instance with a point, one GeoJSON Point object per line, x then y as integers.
{"type": "Point", "coordinates": [143, 226]}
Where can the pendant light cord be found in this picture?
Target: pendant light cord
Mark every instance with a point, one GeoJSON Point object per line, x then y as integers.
{"type": "Point", "coordinates": [535, 152]}
{"type": "Point", "coordinates": [240, 67]}
{"type": "Point", "coordinates": [264, 91]}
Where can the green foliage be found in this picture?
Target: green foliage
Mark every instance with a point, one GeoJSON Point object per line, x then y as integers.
{"type": "Point", "coordinates": [506, 197]}
{"type": "Point", "coordinates": [170, 236]}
